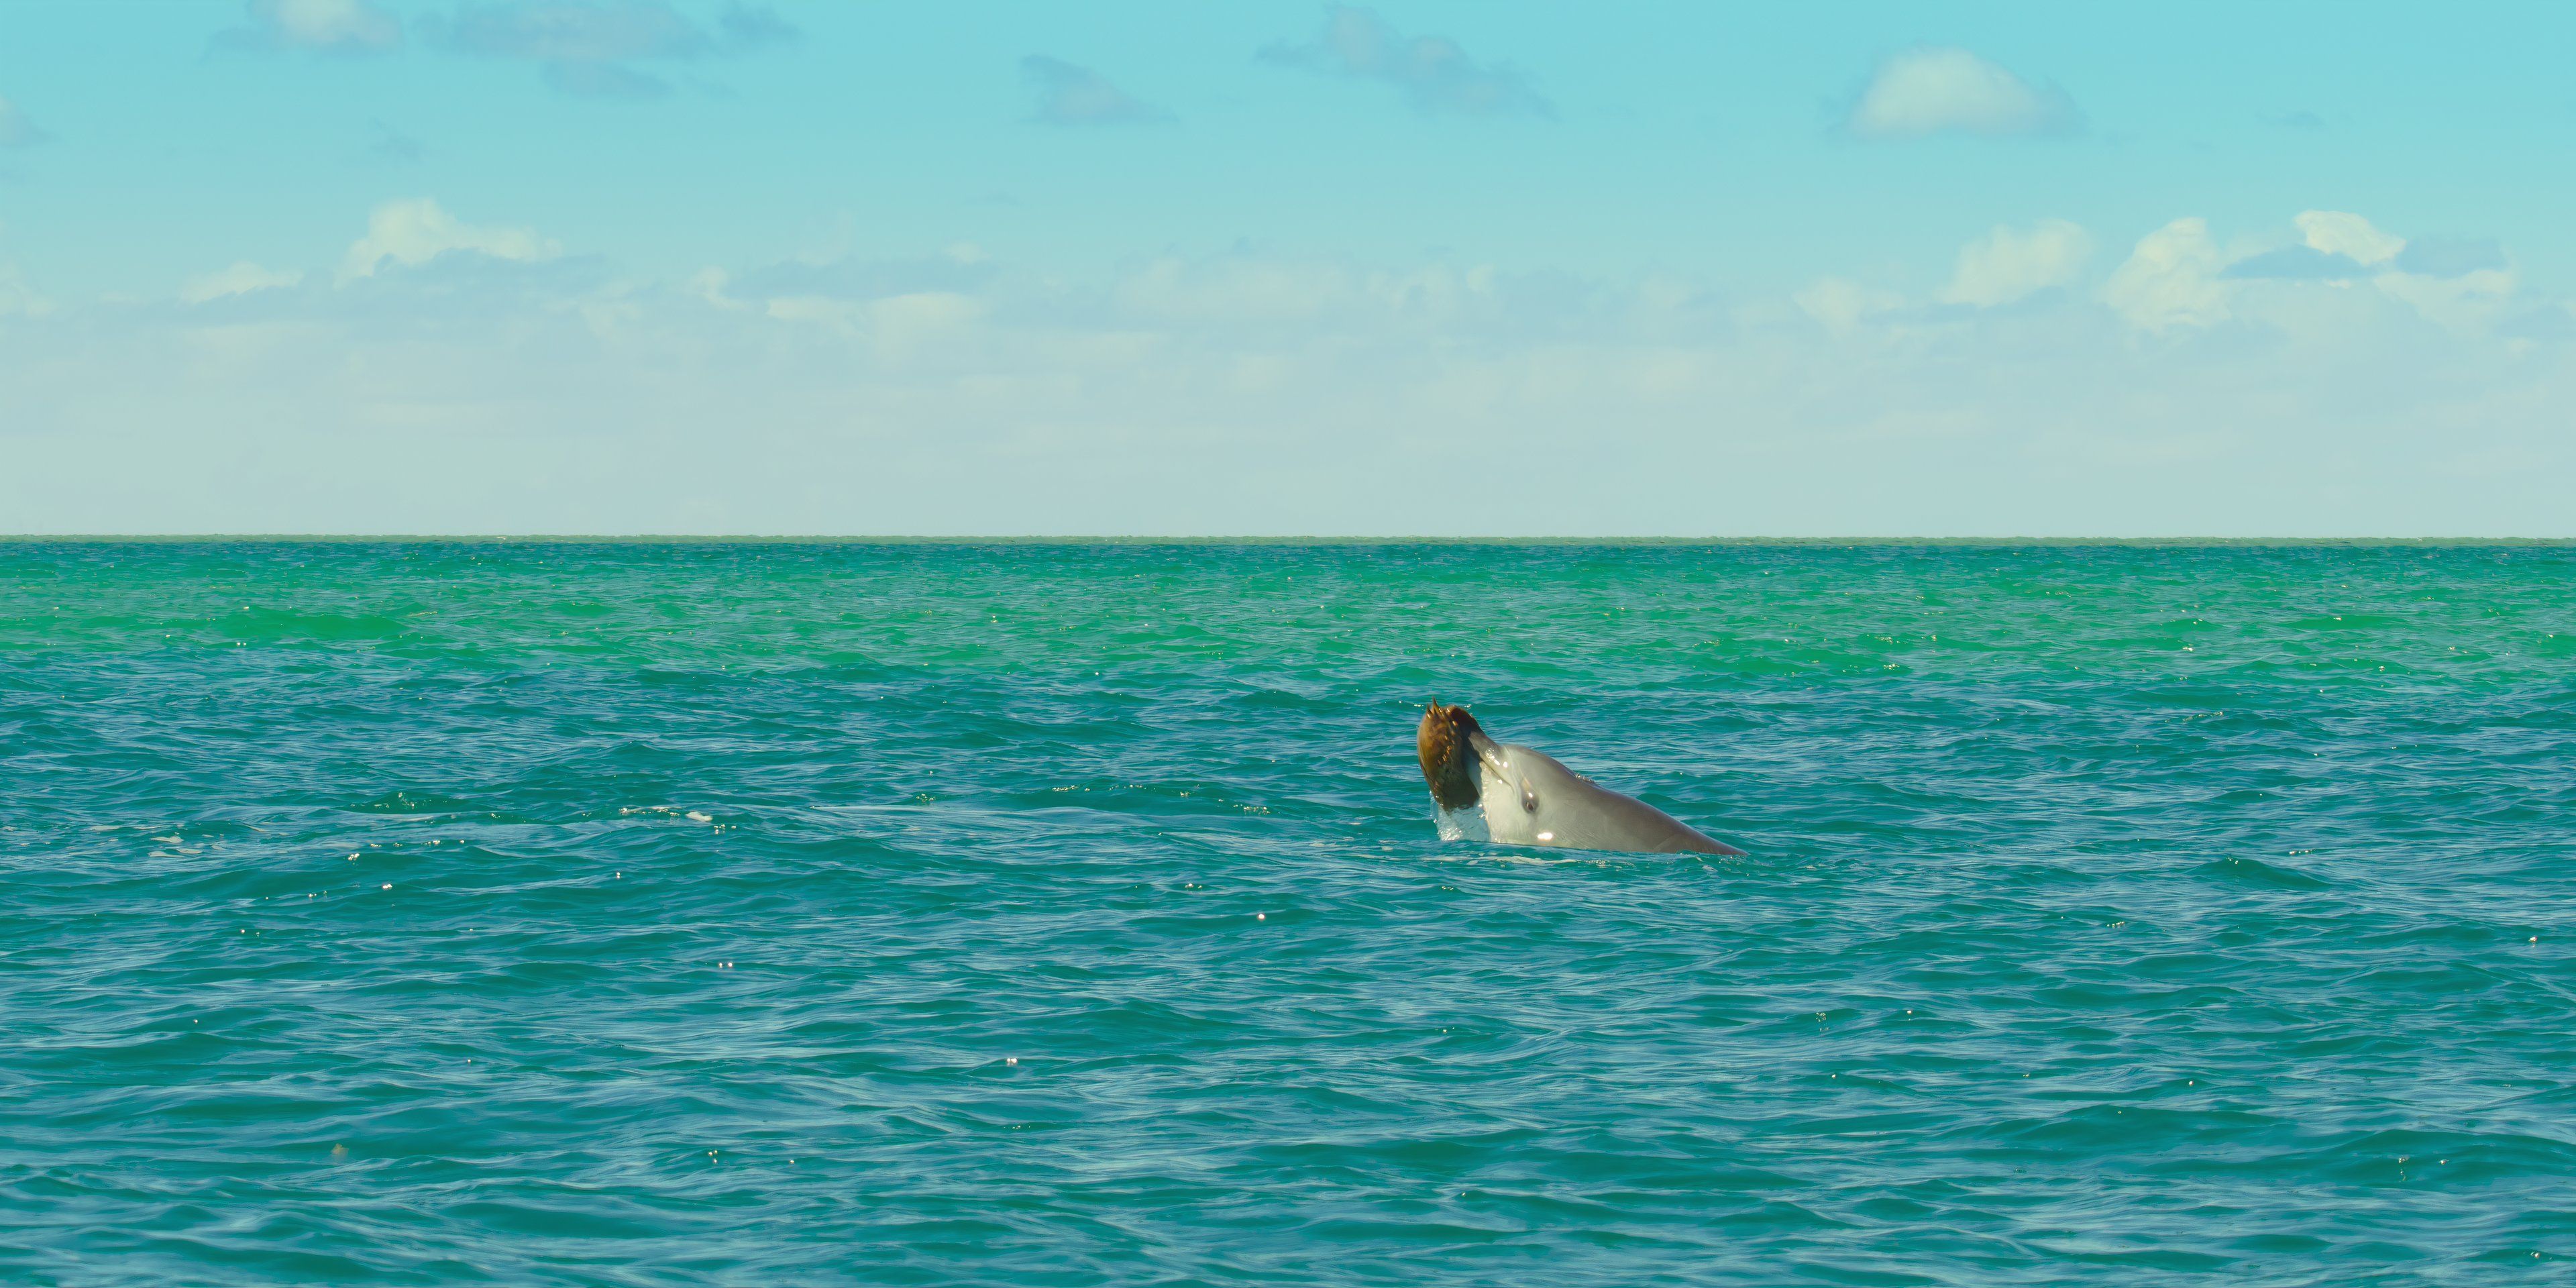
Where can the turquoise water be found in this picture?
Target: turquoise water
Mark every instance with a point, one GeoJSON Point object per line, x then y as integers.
{"type": "Point", "coordinates": [1059, 915]}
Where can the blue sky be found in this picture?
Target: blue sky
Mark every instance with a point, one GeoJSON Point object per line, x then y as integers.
{"type": "Point", "coordinates": [629, 266]}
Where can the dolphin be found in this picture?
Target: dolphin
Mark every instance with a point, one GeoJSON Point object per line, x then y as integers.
{"type": "Point", "coordinates": [1529, 798]}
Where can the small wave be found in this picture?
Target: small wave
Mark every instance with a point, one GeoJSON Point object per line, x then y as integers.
{"type": "Point", "coordinates": [2256, 872]}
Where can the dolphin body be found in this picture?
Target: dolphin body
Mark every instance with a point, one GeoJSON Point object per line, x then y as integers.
{"type": "Point", "coordinates": [1529, 798]}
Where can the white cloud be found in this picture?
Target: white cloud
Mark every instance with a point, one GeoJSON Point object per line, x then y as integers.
{"type": "Point", "coordinates": [1233, 392]}
{"type": "Point", "coordinates": [903, 324]}
{"type": "Point", "coordinates": [417, 231]}
{"type": "Point", "coordinates": [815, 310]}
{"type": "Point", "coordinates": [1234, 290]}
{"type": "Point", "coordinates": [1255, 291]}
{"type": "Point", "coordinates": [924, 312]}
{"type": "Point", "coordinates": [709, 284]}
{"type": "Point", "coordinates": [2008, 264]}
{"type": "Point", "coordinates": [2334, 232]}
{"type": "Point", "coordinates": [893, 329]}
{"type": "Point", "coordinates": [1930, 91]}
{"type": "Point", "coordinates": [16, 131]}
{"type": "Point", "coordinates": [2343, 272]}
{"type": "Point", "coordinates": [240, 279]}
{"type": "Point", "coordinates": [330, 26]}
{"type": "Point", "coordinates": [1842, 304]}
{"type": "Point", "coordinates": [2171, 279]}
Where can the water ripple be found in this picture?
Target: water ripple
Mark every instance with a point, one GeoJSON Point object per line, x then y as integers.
{"type": "Point", "coordinates": [957, 914]}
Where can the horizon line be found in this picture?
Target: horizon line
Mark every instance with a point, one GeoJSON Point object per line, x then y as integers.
{"type": "Point", "coordinates": [661, 538]}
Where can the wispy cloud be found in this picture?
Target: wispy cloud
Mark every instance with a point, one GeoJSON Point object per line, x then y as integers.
{"type": "Point", "coordinates": [390, 144]}
{"type": "Point", "coordinates": [1843, 304]}
{"type": "Point", "coordinates": [1434, 72]}
{"type": "Point", "coordinates": [745, 26]}
{"type": "Point", "coordinates": [242, 278]}
{"type": "Point", "coordinates": [589, 47]}
{"type": "Point", "coordinates": [1044, 390]}
{"type": "Point", "coordinates": [2297, 119]}
{"type": "Point", "coordinates": [16, 131]}
{"type": "Point", "coordinates": [2448, 257]}
{"type": "Point", "coordinates": [1930, 90]}
{"type": "Point", "coordinates": [17, 298]}
{"type": "Point", "coordinates": [574, 31]}
{"type": "Point", "coordinates": [604, 80]}
{"type": "Point", "coordinates": [1069, 94]}
{"type": "Point", "coordinates": [325, 26]}
{"type": "Point", "coordinates": [418, 230]}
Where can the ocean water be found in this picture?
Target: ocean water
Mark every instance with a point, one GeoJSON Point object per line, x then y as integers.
{"type": "Point", "coordinates": [1029, 914]}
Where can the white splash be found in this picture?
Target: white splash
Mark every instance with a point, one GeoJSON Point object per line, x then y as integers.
{"type": "Point", "coordinates": [1461, 824]}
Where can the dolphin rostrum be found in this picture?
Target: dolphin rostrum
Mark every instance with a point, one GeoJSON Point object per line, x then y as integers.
{"type": "Point", "coordinates": [1528, 798]}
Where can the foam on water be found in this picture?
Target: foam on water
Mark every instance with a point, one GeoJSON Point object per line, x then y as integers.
{"type": "Point", "coordinates": [1460, 824]}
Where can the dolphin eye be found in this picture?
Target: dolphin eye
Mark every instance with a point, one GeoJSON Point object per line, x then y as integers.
{"type": "Point", "coordinates": [1529, 800]}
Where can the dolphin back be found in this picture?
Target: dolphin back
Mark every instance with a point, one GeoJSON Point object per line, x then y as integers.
{"type": "Point", "coordinates": [1553, 805]}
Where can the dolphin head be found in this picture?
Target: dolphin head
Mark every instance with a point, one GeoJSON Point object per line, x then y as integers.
{"type": "Point", "coordinates": [1536, 799]}
{"type": "Point", "coordinates": [1446, 741]}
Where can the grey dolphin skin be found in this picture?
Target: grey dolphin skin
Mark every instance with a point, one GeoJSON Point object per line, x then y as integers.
{"type": "Point", "coordinates": [1529, 798]}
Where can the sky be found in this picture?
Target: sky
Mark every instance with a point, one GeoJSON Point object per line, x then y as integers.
{"type": "Point", "coordinates": [1444, 269]}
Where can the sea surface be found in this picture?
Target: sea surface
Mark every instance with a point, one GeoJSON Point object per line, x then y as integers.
{"type": "Point", "coordinates": [1058, 914]}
